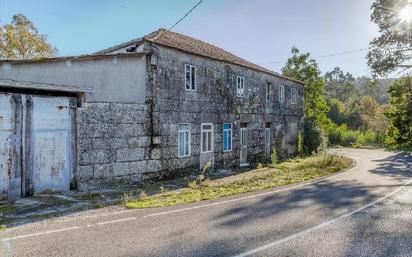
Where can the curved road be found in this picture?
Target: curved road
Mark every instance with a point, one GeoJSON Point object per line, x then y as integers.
{"type": "Point", "coordinates": [366, 211]}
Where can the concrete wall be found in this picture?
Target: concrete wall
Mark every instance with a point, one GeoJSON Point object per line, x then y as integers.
{"type": "Point", "coordinates": [215, 101]}
{"type": "Point", "coordinates": [117, 79]}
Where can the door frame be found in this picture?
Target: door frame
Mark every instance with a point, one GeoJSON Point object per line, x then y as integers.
{"type": "Point", "coordinates": [243, 145]}
{"type": "Point", "coordinates": [267, 141]}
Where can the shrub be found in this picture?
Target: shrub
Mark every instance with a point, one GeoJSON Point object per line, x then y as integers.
{"type": "Point", "coordinates": [314, 138]}
{"type": "Point", "coordinates": [299, 144]}
{"type": "Point", "coordinates": [274, 158]}
{"type": "Point", "coordinates": [342, 136]}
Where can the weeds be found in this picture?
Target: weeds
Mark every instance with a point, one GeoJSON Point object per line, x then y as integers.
{"type": "Point", "coordinates": [291, 171]}
{"type": "Point", "coordinates": [274, 158]}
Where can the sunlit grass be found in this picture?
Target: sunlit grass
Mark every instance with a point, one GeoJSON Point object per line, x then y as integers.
{"type": "Point", "coordinates": [289, 172]}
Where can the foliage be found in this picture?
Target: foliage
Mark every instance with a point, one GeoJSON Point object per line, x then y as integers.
{"type": "Point", "coordinates": [274, 158]}
{"type": "Point", "coordinates": [392, 47]}
{"type": "Point", "coordinates": [292, 171]}
{"type": "Point", "coordinates": [371, 114]}
{"type": "Point", "coordinates": [342, 136]}
{"type": "Point", "coordinates": [339, 85]}
{"type": "Point", "coordinates": [400, 113]}
{"type": "Point", "coordinates": [299, 144]}
{"type": "Point", "coordinates": [314, 138]}
{"type": "Point", "coordinates": [303, 68]}
{"type": "Point", "coordinates": [337, 111]}
{"type": "Point", "coordinates": [21, 39]}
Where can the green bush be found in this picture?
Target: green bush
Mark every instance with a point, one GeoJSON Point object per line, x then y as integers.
{"type": "Point", "coordinates": [314, 138]}
{"type": "Point", "coordinates": [342, 136]}
{"type": "Point", "coordinates": [274, 158]}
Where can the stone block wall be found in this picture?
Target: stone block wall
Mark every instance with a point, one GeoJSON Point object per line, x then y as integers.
{"type": "Point", "coordinates": [114, 144]}
{"type": "Point", "coordinates": [215, 101]}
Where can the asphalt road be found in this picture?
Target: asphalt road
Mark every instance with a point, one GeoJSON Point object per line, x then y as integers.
{"type": "Point", "coordinates": [366, 211]}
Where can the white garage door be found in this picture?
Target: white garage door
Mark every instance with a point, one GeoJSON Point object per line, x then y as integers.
{"type": "Point", "coordinates": [36, 151]}
{"type": "Point", "coordinates": [51, 143]}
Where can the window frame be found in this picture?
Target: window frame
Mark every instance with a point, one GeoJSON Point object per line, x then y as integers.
{"type": "Point", "coordinates": [240, 81]}
{"type": "Point", "coordinates": [228, 130]}
{"type": "Point", "coordinates": [267, 92]}
{"type": "Point", "coordinates": [179, 131]}
{"type": "Point", "coordinates": [202, 130]}
{"type": "Point", "coordinates": [191, 74]}
{"type": "Point", "coordinates": [294, 96]}
{"type": "Point", "coordinates": [282, 93]}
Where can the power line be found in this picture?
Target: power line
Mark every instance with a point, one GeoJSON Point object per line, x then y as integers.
{"type": "Point", "coordinates": [174, 25]}
{"type": "Point", "coordinates": [327, 55]}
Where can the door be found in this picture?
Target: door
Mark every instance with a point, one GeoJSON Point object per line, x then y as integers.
{"type": "Point", "coordinates": [267, 141]}
{"type": "Point", "coordinates": [5, 146]}
{"type": "Point", "coordinates": [35, 144]}
{"type": "Point", "coordinates": [10, 146]}
{"type": "Point", "coordinates": [51, 154]}
{"type": "Point", "coordinates": [243, 147]}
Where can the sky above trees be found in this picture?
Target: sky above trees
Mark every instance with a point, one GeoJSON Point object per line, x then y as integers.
{"type": "Point", "coordinates": [262, 31]}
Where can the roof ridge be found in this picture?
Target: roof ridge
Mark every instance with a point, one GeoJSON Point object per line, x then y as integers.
{"type": "Point", "coordinates": [195, 46]}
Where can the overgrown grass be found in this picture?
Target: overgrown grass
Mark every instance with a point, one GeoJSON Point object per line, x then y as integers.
{"type": "Point", "coordinates": [291, 171]}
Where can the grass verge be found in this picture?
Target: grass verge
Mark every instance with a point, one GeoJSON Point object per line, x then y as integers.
{"type": "Point", "coordinates": [289, 172]}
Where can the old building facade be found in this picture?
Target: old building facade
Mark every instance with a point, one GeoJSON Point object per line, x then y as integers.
{"type": "Point", "coordinates": [159, 106]}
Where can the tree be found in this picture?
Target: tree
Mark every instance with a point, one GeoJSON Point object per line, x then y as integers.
{"type": "Point", "coordinates": [340, 86]}
{"type": "Point", "coordinates": [400, 113]}
{"type": "Point", "coordinates": [21, 39]}
{"type": "Point", "coordinates": [337, 111]}
{"type": "Point", "coordinates": [372, 115]}
{"type": "Point", "coordinates": [305, 69]}
{"type": "Point", "coordinates": [393, 47]}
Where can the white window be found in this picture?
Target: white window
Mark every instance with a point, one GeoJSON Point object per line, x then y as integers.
{"type": "Point", "coordinates": [267, 92]}
{"type": "Point", "coordinates": [183, 140]}
{"type": "Point", "coordinates": [293, 96]}
{"type": "Point", "coordinates": [227, 137]}
{"type": "Point", "coordinates": [207, 138]}
{"type": "Point", "coordinates": [240, 86]}
{"type": "Point", "coordinates": [281, 93]}
{"type": "Point", "coordinates": [190, 77]}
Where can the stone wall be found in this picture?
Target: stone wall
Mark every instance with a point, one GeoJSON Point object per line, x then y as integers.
{"type": "Point", "coordinates": [133, 142]}
{"type": "Point", "coordinates": [215, 101]}
{"type": "Point", "coordinates": [114, 144]}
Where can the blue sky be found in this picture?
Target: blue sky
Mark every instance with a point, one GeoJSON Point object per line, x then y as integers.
{"type": "Point", "coordinates": [261, 31]}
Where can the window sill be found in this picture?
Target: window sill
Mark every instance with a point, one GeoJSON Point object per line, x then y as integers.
{"type": "Point", "coordinates": [184, 157]}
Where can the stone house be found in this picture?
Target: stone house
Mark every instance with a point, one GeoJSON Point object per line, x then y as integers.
{"type": "Point", "coordinates": [159, 106]}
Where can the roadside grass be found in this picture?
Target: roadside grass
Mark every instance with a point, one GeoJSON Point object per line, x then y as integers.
{"type": "Point", "coordinates": [401, 148]}
{"type": "Point", "coordinates": [289, 172]}
{"type": "Point", "coordinates": [3, 227]}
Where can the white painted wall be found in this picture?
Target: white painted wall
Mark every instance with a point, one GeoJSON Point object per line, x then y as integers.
{"type": "Point", "coordinates": [119, 79]}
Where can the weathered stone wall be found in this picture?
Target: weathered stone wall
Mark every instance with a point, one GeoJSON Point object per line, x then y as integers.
{"type": "Point", "coordinates": [133, 142]}
{"type": "Point", "coordinates": [215, 101]}
{"type": "Point", "coordinates": [114, 144]}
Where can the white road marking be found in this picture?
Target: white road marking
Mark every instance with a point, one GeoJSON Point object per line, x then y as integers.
{"type": "Point", "coordinates": [278, 242]}
{"type": "Point", "coordinates": [248, 197]}
{"type": "Point", "coordinates": [116, 221]}
{"type": "Point", "coordinates": [40, 233]}
{"type": "Point", "coordinates": [173, 211]}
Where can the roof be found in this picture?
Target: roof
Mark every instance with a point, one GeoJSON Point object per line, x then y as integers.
{"type": "Point", "coordinates": [193, 46]}
{"type": "Point", "coordinates": [8, 83]}
{"type": "Point", "coordinates": [78, 57]}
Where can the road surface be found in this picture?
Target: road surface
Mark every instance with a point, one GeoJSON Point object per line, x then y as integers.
{"type": "Point", "coordinates": [366, 211]}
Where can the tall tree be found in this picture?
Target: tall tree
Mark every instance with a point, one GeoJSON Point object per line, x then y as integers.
{"type": "Point", "coordinates": [400, 112]}
{"type": "Point", "coordinates": [303, 68]}
{"type": "Point", "coordinates": [393, 47]}
{"type": "Point", "coordinates": [21, 39]}
{"type": "Point", "coordinates": [340, 85]}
